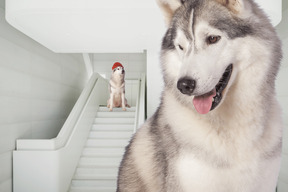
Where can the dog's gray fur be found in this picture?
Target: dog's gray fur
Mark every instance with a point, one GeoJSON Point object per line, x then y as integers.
{"type": "Point", "coordinates": [238, 144]}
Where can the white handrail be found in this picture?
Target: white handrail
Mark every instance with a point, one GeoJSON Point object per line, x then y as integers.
{"type": "Point", "coordinates": [137, 105]}
{"type": "Point", "coordinates": [49, 165]}
{"type": "Point", "coordinates": [67, 128]}
{"type": "Point", "coordinates": [142, 106]}
{"type": "Point", "coordinates": [140, 103]}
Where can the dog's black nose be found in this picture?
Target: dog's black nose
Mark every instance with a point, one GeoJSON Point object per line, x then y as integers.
{"type": "Point", "coordinates": [186, 85]}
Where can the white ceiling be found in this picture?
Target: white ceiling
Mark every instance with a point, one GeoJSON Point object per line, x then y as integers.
{"type": "Point", "coordinates": [88, 25]}
{"type": "Point", "coordinates": [73, 26]}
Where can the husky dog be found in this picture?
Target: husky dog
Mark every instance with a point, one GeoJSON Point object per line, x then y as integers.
{"type": "Point", "coordinates": [218, 127]}
{"type": "Point", "coordinates": [117, 88]}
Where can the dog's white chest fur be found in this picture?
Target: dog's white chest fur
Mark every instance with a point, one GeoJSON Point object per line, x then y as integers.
{"type": "Point", "coordinates": [196, 175]}
{"type": "Point", "coordinates": [117, 87]}
{"type": "Point", "coordinates": [117, 90]}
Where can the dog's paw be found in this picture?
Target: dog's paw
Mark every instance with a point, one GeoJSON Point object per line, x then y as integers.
{"type": "Point", "coordinates": [110, 109]}
{"type": "Point", "coordinates": [124, 108]}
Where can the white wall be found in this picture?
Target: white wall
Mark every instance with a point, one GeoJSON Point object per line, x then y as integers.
{"type": "Point", "coordinates": [38, 89]}
{"type": "Point", "coordinates": [155, 81]}
{"type": "Point", "coordinates": [282, 90]}
{"type": "Point", "coordinates": [133, 63]}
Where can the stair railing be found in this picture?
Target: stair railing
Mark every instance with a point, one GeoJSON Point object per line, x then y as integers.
{"type": "Point", "coordinates": [48, 165]}
{"type": "Point", "coordinates": [140, 103]}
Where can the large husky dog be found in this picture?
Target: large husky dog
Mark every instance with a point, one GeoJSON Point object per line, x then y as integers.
{"type": "Point", "coordinates": [218, 127]}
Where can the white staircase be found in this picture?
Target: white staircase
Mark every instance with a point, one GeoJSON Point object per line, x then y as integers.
{"type": "Point", "coordinates": [98, 166]}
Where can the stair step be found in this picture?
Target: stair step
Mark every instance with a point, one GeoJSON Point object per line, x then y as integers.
{"type": "Point", "coordinates": [93, 189]}
{"type": "Point", "coordinates": [96, 184]}
{"type": "Point", "coordinates": [105, 109]}
{"type": "Point", "coordinates": [107, 143]}
{"type": "Point", "coordinates": [94, 176]}
{"type": "Point", "coordinates": [100, 171]}
{"type": "Point", "coordinates": [125, 114]}
{"type": "Point", "coordinates": [110, 134]}
{"type": "Point", "coordinates": [98, 166]}
{"type": "Point", "coordinates": [113, 127]}
{"type": "Point", "coordinates": [114, 120]}
{"type": "Point", "coordinates": [104, 152]}
{"type": "Point", "coordinates": [95, 162]}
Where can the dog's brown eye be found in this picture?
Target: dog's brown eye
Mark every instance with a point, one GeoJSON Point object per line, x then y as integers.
{"type": "Point", "coordinates": [180, 47]}
{"type": "Point", "coordinates": [213, 39]}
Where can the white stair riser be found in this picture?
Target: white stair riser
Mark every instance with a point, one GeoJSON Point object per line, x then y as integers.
{"type": "Point", "coordinates": [116, 114]}
{"type": "Point", "coordinates": [106, 109]}
{"type": "Point", "coordinates": [94, 183]}
{"type": "Point", "coordinates": [93, 189]}
{"type": "Point", "coordinates": [114, 121]}
{"type": "Point", "coordinates": [104, 152]}
{"type": "Point", "coordinates": [93, 176]}
{"type": "Point", "coordinates": [115, 127]}
{"type": "Point", "coordinates": [110, 135]}
{"type": "Point", "coordinates": [97, 171]}
{"type": "Point", "coordinates": [99, 162]}
{"type": "Point", "coordinates": [106, 143]}
{"type": "Point", "coordinates": [98, 166]}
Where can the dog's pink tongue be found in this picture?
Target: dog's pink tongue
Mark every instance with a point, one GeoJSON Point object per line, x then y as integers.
{"type": "Point", "coordinates": [203, 103]}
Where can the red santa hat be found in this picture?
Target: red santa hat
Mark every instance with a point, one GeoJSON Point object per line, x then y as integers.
{"type": "Point", "coordinates": [117, 64]}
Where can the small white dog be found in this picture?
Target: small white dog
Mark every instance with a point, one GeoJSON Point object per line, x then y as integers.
{"type": "Point", "coordinates": [117, 88]}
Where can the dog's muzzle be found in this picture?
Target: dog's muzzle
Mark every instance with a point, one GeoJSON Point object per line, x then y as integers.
{"type": "Point", "coordinates": [186, 85]}
{"type": "Point", "coordinates": [210, 100]}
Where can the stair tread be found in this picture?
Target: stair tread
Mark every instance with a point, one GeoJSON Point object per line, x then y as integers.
{"type": "Point", "coordinates": [95, 131]}
{"type": "Point", "coordinates": [110, 134]}
{"type": "Point", "coordinates": [99, 159]}
{"type": "Point", "coordinates": [97, 170]}
{"type": "Point", "coordinates": [91, 162]}
{"type": "Point", "coordinates": [106, 109]}
{"type": "Point", "coordinates": [98, 166]}
{"type": "Point", "coordinates": [104, 152]}
{"type": "Point", "coordinates": [113, 127]}
{"type": "Point", "coordinates": [94, 176]}
{"type": "Point", "coordinates": [92, 189]}
{"type": "Point", "coordinates": [106, 142]}
{"type": "Point", "coordinates": [114, 120]}
{"type": "Point", "coordinates": [93, 182]}
{"type": "Point", "coordinates": [104, 114]}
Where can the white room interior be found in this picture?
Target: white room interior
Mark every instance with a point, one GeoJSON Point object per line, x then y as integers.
{"type": "Point", "coordinates": [39, 86]}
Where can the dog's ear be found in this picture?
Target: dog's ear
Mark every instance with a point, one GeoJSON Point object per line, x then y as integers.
{"type": "Point", "coordinates": [235, 6]}
{"type": "Point", "coordinates": [168, 8]}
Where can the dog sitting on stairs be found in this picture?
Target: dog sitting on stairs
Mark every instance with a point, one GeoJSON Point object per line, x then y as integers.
{"type": "Point", "coordinates": [117, 88]}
